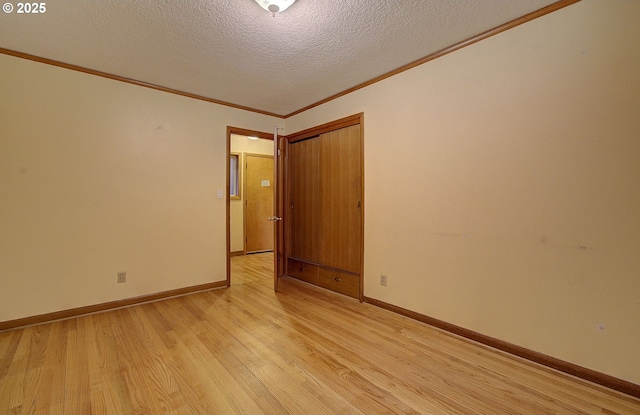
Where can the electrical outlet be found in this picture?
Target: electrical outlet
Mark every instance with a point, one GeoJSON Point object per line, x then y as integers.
{"type": "Point", "coordinates": [383, 279]}
{"type": "Point", "coordinates": [122, 277]}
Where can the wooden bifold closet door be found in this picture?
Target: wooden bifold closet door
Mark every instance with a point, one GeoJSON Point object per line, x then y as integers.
{"type": "Point", "coordinates": [340, 199]}
{"type": "Point", "coordinates": [325, 210]}
{"type": "Point", "coordinates": [303, 197]}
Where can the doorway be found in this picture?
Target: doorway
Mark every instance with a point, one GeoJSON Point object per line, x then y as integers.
{"type": "Point", "coordinates": [250, 195]}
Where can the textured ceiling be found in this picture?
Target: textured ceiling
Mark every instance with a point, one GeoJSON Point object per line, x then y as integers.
{"type": "Point", "coordinates": [236, 52]}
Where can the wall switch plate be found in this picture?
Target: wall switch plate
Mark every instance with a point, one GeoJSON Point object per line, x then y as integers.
{"type": "Point", "coordinates": [122, 277]}
{"type": "Point", "coordinates": [383, 280]}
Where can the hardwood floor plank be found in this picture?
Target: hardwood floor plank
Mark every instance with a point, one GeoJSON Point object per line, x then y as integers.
{"type": "Point", "coordinates": [52, 390]}
{"type": "Point", "coordinates": [255, 344]}
{"type": "Point", "coordinates": [77, 374]}
{"type": "Point", "coordinates": [248, 350]}
{"type": "Point", "coordinates": [355, 354]}
{"type": "Point", "coordinates": [8, 347]}
{"type": "Point", "coordinates": [238, 357]}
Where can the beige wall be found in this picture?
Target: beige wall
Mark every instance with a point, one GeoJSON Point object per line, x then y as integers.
{"type": "Point", "coordinates": [98, 176]}
{"type": "Point", "coordinates": [502, 186]}
{"type": "Point", "coordinates": [242, 144]}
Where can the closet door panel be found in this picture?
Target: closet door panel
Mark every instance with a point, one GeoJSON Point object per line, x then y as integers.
{"type": "Point", "coordinates": [340, 227]}
{"type": "Point", "coordinates": [303, 199]}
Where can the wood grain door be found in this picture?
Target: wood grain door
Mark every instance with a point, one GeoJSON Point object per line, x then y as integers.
{"type": "Point", "coordinates": [340, 224]}
{"type": "Point", "coordinates": [259, 185]}
{"type": "Point", "coordinates": [303, 180]}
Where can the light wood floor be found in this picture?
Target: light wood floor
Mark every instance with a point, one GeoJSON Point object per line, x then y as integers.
{"type": "Point", "coordinates": [246, 349]}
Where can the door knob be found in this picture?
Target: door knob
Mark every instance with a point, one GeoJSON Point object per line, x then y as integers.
{"type": "Point", "coordinates": [274, 218]}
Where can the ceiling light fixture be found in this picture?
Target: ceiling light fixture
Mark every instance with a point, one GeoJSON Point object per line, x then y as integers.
{"type": "Point", "coordinates": [252, 138]}
{"type": "Point", "coordinates": [275, 6]}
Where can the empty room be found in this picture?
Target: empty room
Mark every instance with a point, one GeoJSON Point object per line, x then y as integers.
{"type": "Point", "coordinates": [320, 207]}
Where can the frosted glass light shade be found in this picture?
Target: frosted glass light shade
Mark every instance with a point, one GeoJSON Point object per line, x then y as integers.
{"type": "Point", "coordinates": [275, 6]}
